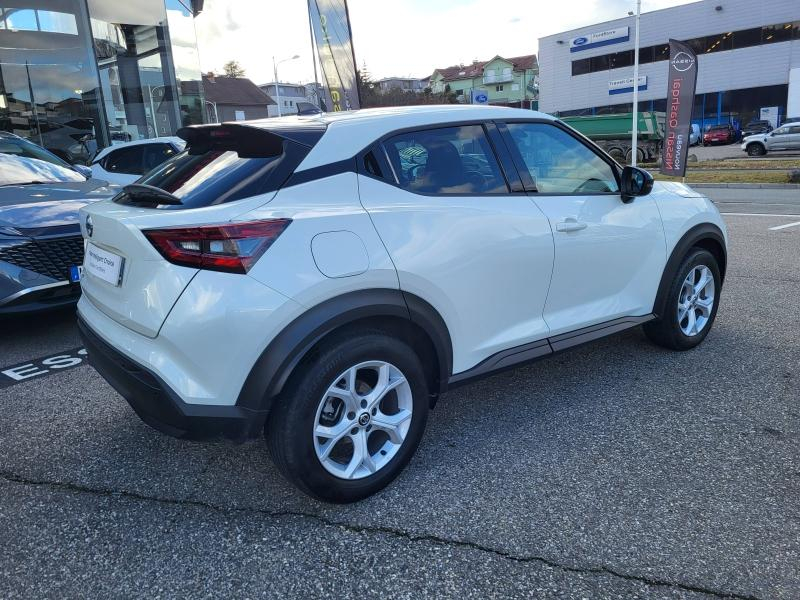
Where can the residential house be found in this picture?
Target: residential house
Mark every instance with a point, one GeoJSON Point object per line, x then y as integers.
{"type": "Point", "coordinates": [504, 81]}
{"type": "Point", "coordinates": [290, 95]}
{"type": "Point", "coordinates": [234, 99]}
{"type": "Point", "coordinates": [407, 84]}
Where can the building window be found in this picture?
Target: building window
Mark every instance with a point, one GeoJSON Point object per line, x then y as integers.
{"type": "Point", "coordinates": [581, 66]}
{"type": "Point", "coordinates": [620, 59]}
{"type": "Point", "coordinates": [498, 88]}
{"type": "Point", "coordinates": [776, 33]}
{"type": "Point", "coordinates": [719, 42]}
{"type": "Point", "coordinates": [746, 38]}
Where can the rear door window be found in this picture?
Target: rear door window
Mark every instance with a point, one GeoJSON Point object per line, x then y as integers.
{"type": "Point", "coordinates": [448, 160]}
{"type": "Point", "coordinates": [125, 160]}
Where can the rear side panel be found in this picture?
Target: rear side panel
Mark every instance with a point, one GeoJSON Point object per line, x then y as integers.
{"type": "Point", "coordinates": [303, 263]}
{"type": "Point", "coordinates": [226, 171]}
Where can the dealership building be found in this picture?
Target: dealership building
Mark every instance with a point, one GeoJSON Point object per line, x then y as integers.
{"type": "Point", "coordinates": [76, 75]}
{"type": "Point", "coordinates": [748, 56]}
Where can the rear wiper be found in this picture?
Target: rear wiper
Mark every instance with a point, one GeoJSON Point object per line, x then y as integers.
{"type": "Point", "coordinates": [141, 193]}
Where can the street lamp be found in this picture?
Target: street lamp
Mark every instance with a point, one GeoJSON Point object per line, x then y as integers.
{"type": "Point", "coordinates": [214, 106]}
{"type": "Point", "coordinates": [277, 85]}
{"type": "Point", "coordinates": [150, 90]}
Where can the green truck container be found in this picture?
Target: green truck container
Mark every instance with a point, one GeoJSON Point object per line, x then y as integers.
{"type": "Point", "coordinates": [613, 134]}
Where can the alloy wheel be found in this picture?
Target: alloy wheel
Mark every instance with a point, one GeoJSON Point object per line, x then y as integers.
{"type": "Point", "coordinates": [362, 420]}
{"type": "Point", "coordinates": [696, 300]}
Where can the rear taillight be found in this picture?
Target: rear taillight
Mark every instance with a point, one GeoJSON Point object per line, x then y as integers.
{"type": "Point", "coordinates": [232, 247]}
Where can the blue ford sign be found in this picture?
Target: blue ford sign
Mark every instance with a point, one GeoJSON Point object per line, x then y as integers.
{"type": "Point", "coordinates": [480, 97]}
{"type": "Point", "coordinates": [599, 38]}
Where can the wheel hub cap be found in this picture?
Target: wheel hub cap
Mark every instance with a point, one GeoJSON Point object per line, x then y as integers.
{"type": "Point", "coordinates": [696, 300]}
{"type": "Point", "coordinates": [362, 420]}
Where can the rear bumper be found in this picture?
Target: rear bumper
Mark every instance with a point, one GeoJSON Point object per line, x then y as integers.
{"type": "Point", "coordinates": [158, 405]}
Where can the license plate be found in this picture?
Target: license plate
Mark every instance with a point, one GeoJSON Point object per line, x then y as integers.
{"type": "Point", "coordinates": [75, 273]}
{"type": "Point", "coordinates": [103, 264]}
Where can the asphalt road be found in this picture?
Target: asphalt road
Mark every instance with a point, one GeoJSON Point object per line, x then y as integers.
{"type": "Point", "coordinates": [618, 470]}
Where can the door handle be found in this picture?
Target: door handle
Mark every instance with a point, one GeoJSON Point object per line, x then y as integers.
{"type": "Point", "coordinates": [570, 224]}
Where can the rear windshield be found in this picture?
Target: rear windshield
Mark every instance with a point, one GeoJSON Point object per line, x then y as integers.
{"type": "Point", "coordinates": [24, 163]}
{"type": "Point", "coordinates": [213, 177]}
{"type": "Point", "coordinates": [240, 164]}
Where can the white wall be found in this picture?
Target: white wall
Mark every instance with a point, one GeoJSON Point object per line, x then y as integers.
{"type": "Point", "coordinates": [734, 69]}
{"type": "Point", "coordinates": [793, 104]}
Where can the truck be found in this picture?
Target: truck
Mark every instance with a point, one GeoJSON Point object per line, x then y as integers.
{"type": "Point", "coordinates": [613, 134]}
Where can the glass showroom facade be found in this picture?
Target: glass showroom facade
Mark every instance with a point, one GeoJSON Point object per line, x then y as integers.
{"type": "Point", "coordinates": [78, 75]}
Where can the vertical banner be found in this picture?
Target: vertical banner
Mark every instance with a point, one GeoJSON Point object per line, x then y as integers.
{"type": "Point", "coordinates": [680, 101]}
{"type": "Point", "coordinates": [331, 25]}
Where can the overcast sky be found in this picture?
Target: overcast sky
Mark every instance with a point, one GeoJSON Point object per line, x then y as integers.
{"type": "Point", "coordinates": [393, 37]}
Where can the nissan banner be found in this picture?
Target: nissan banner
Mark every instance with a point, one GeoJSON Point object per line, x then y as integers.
{"type": "Point", "coordinates": [680, 100]}
{"type": "Point", "coordinates": [331, 25]}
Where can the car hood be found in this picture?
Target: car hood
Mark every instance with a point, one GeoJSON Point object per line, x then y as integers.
{"type": "Point", "coordinates": [754, 137]}
{"type": "Point", "coordinates": [33, 208]}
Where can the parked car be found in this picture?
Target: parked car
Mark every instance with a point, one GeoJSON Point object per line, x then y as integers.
{"type": "Point", "coordinates": [40, 239]}
{"type": "Point", "coordinates": [785, 137]}
{"type": "Point", "coordinates": [73, 140]}
{"type": "Point", "coordinates": [323, 279]}
{"type": "Point", "coordinates": [755, 127]}
{"type": "Point", "coordinates": [719, 134]}
{"type": "Point", "coordinates": [694, 135]}
{"type": "Point", "coordinates": [126, 162]}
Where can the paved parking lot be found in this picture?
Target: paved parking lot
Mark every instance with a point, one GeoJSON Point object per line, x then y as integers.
{"type": "Point", "coordinates": [616, 470]}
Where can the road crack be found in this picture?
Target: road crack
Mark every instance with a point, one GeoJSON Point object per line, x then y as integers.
{"type": "Point", "coordinates": [13, 478]}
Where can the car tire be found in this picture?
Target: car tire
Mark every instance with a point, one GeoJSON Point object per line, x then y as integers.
{"type": "Point", "coordinates": [690, 307]}
{"type": "Point", "coordinates": [331, 393]}
{"type": "Point", "coordinates": [756, 150]}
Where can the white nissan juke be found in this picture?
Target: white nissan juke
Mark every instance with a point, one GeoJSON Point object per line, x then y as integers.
{"type": "Point", "coordinates": [324, 279]}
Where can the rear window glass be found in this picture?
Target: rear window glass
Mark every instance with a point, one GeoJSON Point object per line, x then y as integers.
{"type": "Point", "coordinates": [224, 163]}
{"type": "Point", "coordinates": [214, 177]}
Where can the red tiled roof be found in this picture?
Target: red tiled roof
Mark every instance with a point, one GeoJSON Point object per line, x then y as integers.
{"type": "Point", "coordinates": [476, 69]}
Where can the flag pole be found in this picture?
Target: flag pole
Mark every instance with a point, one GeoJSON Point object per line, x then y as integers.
{"type": "Point", "coordinates": [635, 128]}
{"type": "Point", "coordinates": [313, 56]}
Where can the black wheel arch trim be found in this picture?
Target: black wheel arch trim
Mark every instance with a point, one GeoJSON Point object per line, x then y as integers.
{"type": "Point", "coordinates": [283, 354]}
{"type": "Point", "coordinates": [695, 235]}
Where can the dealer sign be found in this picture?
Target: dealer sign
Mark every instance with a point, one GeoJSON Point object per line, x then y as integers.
{"type": "Point", "coordinates": [680, 101]}
{"type": "Point", "coordinates": [599, 38]}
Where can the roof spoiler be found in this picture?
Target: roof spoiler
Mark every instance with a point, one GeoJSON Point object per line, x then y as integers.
{"type": "Point", "coordinates": [250, 141]}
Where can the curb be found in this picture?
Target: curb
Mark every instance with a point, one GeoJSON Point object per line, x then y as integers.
{"type": "Point", "coordinates": [748, 186]}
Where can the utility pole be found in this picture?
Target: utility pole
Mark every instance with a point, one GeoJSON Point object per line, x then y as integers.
{"type": "Point", "coordinates": [635, 128]}
{"type": "Point", "coordinates": [277, 87]}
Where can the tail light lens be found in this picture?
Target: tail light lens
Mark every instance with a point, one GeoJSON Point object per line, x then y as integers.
{"type": "Point", "coordinates": [231, 247]}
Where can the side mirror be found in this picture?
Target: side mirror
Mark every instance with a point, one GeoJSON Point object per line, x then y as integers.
{"type": "Point", "coordinates": [83, 170]}
{"type": "Point", "coordinates": [635, 182]}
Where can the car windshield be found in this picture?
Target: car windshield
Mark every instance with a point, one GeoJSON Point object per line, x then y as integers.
{"type": "Point", "coordinates": [24, 163]}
